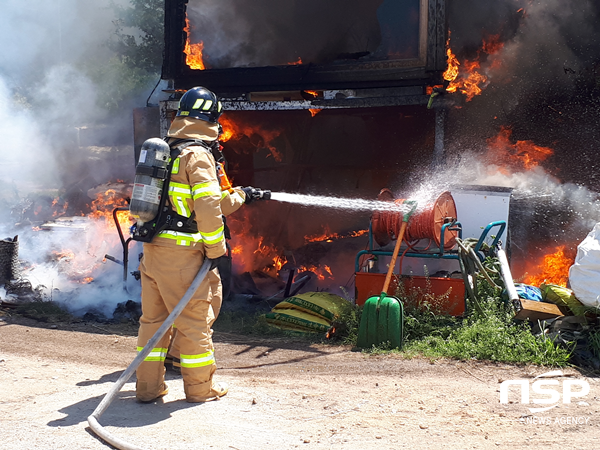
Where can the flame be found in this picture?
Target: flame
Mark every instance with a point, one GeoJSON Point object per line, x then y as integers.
{"type": "Point", "coordinates": [103, 206]}
{"type": "Point", "coordinates": [320, 273]}
{"type": "Point", "coordinates": [295, 63]}
{"type": "Point", "coordinates": [523, 154]}
{"type": "Point", "coordinates": [236, 130]}
{"type": "Point", "coordinates": [327, 236]}
{"type": "Point", "coordinates": [429, 89]}
{"type": "Point", "coordinates": [315, 111]}
{"type": "Point", "coordinates": [59, 212]}
{"type": "Point", "coordinates": [194, 52]}
{"type": "Point", "coordinates": [471, 81]}
{"type": "Point", "coordinates": [67, 255]}
{"type": "Point", "coordinates": [451, 72]}
{"type": "Point", "coordinates": [330, 333]}
{"type": "Point", "coordinates": [552, 269]}
{"type": "Point", "coordinates": [254, 254]}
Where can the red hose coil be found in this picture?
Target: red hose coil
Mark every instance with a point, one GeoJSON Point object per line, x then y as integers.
{"type": "Point", "coordinates": [425, 223]}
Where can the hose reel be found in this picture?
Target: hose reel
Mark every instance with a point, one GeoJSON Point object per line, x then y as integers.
{"type": "Point", "coordinates": [425, 223]}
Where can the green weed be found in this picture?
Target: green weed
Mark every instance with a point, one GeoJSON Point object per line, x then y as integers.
{"type": "Point", "coordinates": [487, 332]}
{"type": "Point", "coordinates": [490, 335]}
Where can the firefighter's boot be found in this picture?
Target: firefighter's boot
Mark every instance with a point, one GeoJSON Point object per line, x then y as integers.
{"type": "Point", "coordinates": [218, 390]}
{"type": "Point", "coordinates": [149, 398]}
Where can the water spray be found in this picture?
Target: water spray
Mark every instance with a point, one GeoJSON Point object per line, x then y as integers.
{"type": "Point", "coordinates": [354, 204]}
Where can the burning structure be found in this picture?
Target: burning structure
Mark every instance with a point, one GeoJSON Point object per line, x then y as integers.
{"type": "Point", "coordinates": [346, 98]}
{"type": "Point", "coordinates": [333, 105]}
{"type": "Point", "coordinates": [340, 109]}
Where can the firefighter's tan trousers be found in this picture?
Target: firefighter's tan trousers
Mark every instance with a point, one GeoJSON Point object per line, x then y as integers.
{"type": "Point", "coordinates": [216, 300]}
{"type": "Point", "coordinates": [166, 273]}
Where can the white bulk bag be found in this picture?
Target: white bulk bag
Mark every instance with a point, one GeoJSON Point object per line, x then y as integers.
{"type": "Point", "coordinates": [584, 275]}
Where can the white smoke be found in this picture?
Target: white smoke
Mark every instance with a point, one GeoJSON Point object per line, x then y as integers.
{"type": "Point", "coordinates": [46, 97]}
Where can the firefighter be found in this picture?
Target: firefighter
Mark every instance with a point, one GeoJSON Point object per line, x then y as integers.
{"type": "Point", "coordinates": [231, 200]}
{"type": "Point", "coordinates": [173, 258]}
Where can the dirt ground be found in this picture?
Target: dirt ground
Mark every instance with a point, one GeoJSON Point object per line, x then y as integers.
{"type": "Point", "coordinates": [283, 394]}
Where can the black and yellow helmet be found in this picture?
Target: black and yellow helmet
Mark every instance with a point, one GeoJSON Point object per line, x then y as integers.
{"type": "Point", "coordinates": [200, 103]}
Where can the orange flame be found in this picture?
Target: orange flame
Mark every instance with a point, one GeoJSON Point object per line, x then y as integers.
{"type": "Point", "coordinates": [471, 80]}
{"type": "Point", "coordinates": [237, 130]}
{"type": "Point", "coordinates": [253, 254]}
{"type": "Point", "coordinates": [321, 273]}
{"type": "Point", "coordinates": [315, 111]}
{"type": "Point", "coordinates": [64, 255]}
{"type": "Point", "coordinates": [295, 63]}
{"type": "Point", "coordinates": [524, 154]}
{"type": "Point", "coordinates": [103, 206]}
{"type": "Point", "coordinates": [452, 71]}
{"type": "Point", "coordinates": [194, 52]}
{"type": "Point", "coordinates": [327, 236]}
{"type": "Point", "coordinates": [330, 333]}
{"type": "Point", "coordinates": [552, 269]}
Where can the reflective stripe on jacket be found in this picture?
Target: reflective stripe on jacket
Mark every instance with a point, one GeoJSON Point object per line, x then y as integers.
{"type": "Point", "coordinates": [194, 187]}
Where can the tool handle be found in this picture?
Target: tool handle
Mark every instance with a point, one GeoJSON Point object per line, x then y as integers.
{"type": "Point", "coordinates": [388, 278]}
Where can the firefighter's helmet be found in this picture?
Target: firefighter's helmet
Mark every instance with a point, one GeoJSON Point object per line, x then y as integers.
{"type": "Point", "coordinates": [200, 103]}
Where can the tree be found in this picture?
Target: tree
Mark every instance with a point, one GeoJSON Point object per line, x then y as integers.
{"type": "Point", "coordinates": [143, 49]}
{"type": "Point", "coordinates": [129, 75]}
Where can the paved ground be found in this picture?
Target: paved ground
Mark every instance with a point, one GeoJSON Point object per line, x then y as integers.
{"type": "Point", "coordinates": [283, 395]}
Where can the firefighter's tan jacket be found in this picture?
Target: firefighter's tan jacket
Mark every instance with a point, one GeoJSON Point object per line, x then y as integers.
{"type": "Point", "coordinates": [194, 187]}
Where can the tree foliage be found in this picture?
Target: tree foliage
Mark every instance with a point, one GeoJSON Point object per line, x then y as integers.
{"type": "Point", "coordinates": [137, 45]}
{"type": "Point", "coordinates": [138, 37]}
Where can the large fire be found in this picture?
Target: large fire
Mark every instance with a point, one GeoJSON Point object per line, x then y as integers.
{"type": "Point", "coordinates": [471, 80]}
{"type": "Point", "coordinates": [552, 269]}
{"type": "Point", "coordinates": [520, 155]}
{"type": "Point", "coordinates": [194, 52]}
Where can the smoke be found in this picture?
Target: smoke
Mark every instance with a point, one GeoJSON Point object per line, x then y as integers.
{"type": "Point", "coordinates": [265, 33]}
{"type": "Point", "coordinates": [543, 83]}
{"type": "Point", "coordinates": [50, 119]}
{"type": "Point", "coordinates": [45, 94]}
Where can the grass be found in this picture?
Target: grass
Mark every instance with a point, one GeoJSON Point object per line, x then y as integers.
{"type": "Point", "coordinates": [488, 332]}
{"type": "Point", "coordinates": [493, 336]}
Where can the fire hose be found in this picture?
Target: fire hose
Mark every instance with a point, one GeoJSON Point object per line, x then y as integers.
{"type": "Point", "coordinates": [109, 397]}
{"type": "Point", "coordinates": [471, 265]}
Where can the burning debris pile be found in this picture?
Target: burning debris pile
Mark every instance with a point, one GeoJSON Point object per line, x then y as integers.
{"type": "Point", "coordinates": [63, 258]}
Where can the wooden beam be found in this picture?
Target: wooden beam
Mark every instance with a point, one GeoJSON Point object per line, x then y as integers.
{"type": "Point", "coordinates": [532, 311]}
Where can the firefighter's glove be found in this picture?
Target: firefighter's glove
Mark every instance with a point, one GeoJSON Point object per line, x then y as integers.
{"type": "Point", "coordinates": [214, 262]}
{"type": "Point", "coordinates": [255, 194]}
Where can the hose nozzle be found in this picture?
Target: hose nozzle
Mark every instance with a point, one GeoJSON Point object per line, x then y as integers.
{"type": "Point", "coordinates": [256, 194]}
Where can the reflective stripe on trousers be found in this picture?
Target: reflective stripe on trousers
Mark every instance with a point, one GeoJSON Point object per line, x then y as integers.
{"type": "Point", "coordinates": [201, 360]}
{"type": "Point", "coordinates": [157, 354]}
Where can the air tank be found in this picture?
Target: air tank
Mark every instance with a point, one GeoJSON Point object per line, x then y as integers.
{"type": "Point", "coordinates": [150, 174]}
